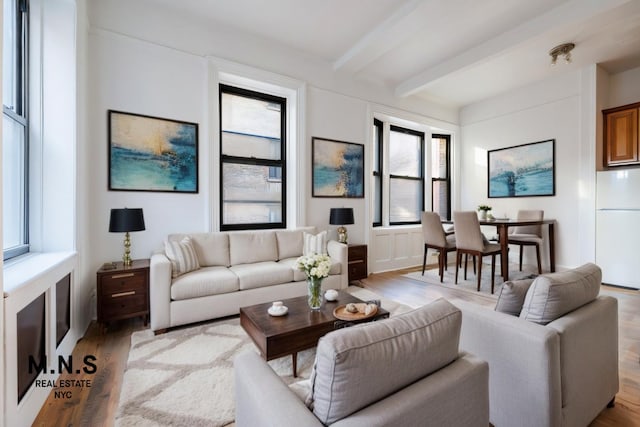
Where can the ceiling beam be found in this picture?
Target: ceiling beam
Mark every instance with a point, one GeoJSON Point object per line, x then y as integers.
{"type": "Point", "coordinates": [379, 40]}
{"type": "Point", "coordinates": [567, 13]}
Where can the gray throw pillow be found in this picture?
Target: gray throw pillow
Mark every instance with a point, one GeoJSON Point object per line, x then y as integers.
{"type": "Point", "coordinates": [556, 294]}
{"type": "Point", "coordinates": [512, 295]}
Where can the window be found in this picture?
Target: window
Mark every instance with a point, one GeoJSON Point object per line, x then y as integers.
{"type": "Point", "coordinates": [377, 172]}
{"type": "Point", "coordinates": [15, 146]}
{"type": "Point", "coordinates": [406, 178]}
{"type": "Point", "coordinates": [252, 161]}
{"type": "Point", "coordinates": [440, 175]}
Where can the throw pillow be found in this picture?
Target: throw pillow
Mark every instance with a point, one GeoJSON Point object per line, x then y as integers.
{"type": "Point", "coordinates": [556, 294]}
{"type": "Point", "coordinates": [182, 255]}
{"type": "Point", "coordinates": [315, 244]}
{"type": "Point", "coordinates": [511, 297]}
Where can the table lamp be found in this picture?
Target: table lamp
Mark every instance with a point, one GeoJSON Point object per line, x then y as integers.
{"type": "Point", "coordinates": [126, 220]}
{"type": "Point", "coordinates": [341, 217]}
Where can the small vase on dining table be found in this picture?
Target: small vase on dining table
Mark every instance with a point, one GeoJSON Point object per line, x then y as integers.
{"type": "Point", "coordinates": [314, 292]}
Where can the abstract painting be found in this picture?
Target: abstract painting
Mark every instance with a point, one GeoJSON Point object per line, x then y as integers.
{"type": "Point", "coordinates": [152, 154]}
{"type": "Point", "coordinates": [337, 168]}
{"type": "Point", "coordinates": [523, 170]}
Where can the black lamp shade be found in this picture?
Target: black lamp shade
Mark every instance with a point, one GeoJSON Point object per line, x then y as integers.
{"type": "Point", "coordinates": [341, 216]}
{"type": "Point", "coordinates": [124, 220]}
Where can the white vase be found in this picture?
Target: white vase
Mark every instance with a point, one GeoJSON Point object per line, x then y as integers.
{"type": "Point", "coordinates": [482, 215]}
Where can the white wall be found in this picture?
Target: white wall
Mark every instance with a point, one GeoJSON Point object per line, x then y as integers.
{"type": "Point", "coordinates": [624, 88]}
{"type": "Point", "coordinates": [547, 110]}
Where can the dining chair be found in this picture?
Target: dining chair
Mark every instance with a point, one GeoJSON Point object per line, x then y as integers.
{"type": "Point", "coordinates": [436, 238]}
{"type": "Point", "coordinates": [470, 241]}
{"type": "Point", "coordinates": [528, 235]}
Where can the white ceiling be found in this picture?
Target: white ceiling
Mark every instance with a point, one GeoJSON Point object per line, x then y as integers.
{"type": "Point", "coordinates": [453, 51]}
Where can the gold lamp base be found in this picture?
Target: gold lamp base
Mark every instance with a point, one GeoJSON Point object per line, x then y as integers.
{"type": "Point", "coordinates": [342, 234]}
{"type": "Point", "coordinates": [126, 258]}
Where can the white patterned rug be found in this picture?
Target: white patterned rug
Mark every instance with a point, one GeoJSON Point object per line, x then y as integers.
{"type": "Point", "coordinates": [185, 377]}
{"type": "Point", "coordinates": [431, 277]}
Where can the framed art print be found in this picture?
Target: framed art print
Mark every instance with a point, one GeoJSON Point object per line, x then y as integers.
{"type": "Point", "coordinates": [523, 170]}
{"type": "Point", "coordinates": [337, 168]}
{"type": "Point", "coordinates": [152, 154]}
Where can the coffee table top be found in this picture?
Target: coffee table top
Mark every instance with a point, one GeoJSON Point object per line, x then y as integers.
{"type": "Point", "coordinates": [299, 316]}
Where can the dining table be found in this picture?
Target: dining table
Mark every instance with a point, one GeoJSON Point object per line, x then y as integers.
{"type": "Point", "coordinates": [502, 226]}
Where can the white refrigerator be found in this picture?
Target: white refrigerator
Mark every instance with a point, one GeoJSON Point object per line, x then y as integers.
{"type": "Point", "coordinates": [618, 227]}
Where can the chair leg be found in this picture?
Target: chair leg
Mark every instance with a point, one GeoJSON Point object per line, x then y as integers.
{"type": "Point", "coordinates": [441, 264]}
{"type": "Point", "coordinates": [466, 259]}
{"type": "Point", "coordinates": [479, 275]}
{"type": "Point", "coordinates": [493, 271]}
{"type": "Point", "coordinates": [424, 259]}
{"type": "Point", "coordinates": [538, 256]}
{"type": "Point", "coordinates": [458, 259]}
{"type": "Point", "coordinates": [521, 251]}
{"type": "Point", "coordinates": [474, 265]}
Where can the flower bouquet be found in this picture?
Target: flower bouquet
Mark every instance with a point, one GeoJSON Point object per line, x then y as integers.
{"type": "Point", "coordinates": [316, 267]}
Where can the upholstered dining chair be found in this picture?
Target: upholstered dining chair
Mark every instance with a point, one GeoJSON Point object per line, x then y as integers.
{"type": "Point", "coordinates": [436, 238]}
{"type": "Point", "coordinates": [528, 235]}
{"type": "Point", "coordinates": [470, 241]}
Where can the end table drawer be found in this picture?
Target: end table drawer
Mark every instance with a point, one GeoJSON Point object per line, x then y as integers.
{"type": "Point", "coordinates": [357, 270]}
{"type": "Point", "coordinates": [123, 282]}
{"type": "Point", "coordinates": [123, 304]}
{"type": "Point", "coordinates": [357, 252]}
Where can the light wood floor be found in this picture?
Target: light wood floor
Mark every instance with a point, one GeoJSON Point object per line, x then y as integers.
{"type": "Point", "coordinates": [96, 406]}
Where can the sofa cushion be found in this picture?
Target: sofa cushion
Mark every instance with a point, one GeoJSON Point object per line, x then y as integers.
{"type": "Point", "coordinates": [360, 365]}
{"type": "Point", "coordinates": [511, 297]}
{"type": "Point", "coordinates": [290, 242]}
{"type": "Point", "coordinates": [315, 243]}
{"type": "Point", "coordinates": [260, 274]}
{"type": "Point", "coordinates": [212, 248]}
{"type": "Point", "coordinates": [204, 282]}
{"type": "Point", "coordinates": [556, 294]}
{"type": "Point", "coordinates": [247, 247]}
{"type": "Point", "coordinates": [182, 255]}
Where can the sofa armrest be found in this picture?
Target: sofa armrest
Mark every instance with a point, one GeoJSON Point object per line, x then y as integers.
{"type": "Point", "coordinates": [524, 365]}
{"type": "Point", "coordinates": [160, 291]}
{"type": "Point", "coordinates": [340, 251]}
{"type": "Point", "coordinates": [263, 399]}
{"type": "Point", "coordinates": [588, 358]}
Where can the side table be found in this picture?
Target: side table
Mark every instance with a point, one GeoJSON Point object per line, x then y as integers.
{"type": "Point", "coordinates": [123, 292]}
{"type": "Point", "coordinates": [357, 262]}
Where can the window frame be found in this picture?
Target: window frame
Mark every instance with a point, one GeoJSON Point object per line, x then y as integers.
{"type": "Point", "coordinates": [395, 128]}
{"type": "Point", "coordinates": [447, 179]}
{"type": "Point", "coordinates": [253, 161]}
{"type": "Point", "coordinates": [19, 115]}
{"type": "Point", "coordinates": [379, 124]}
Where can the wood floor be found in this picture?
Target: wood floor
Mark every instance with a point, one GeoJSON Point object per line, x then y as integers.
{"type": "Point", "coordinates": [97, 405]}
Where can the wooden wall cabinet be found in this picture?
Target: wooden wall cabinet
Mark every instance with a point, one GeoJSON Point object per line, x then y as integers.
{"type": "Point", "coordinates": [621, 135]}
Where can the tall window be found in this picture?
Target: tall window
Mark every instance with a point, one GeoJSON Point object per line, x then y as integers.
{"type": "Point", "coordinates": [440, 175]}
{"type": "Point", "coordinates": [406, 176]}
{"type": "Point", "coordinates": [377, 172]}
{"type": "Point", "coordinates": [252, 161]}
{"type": "Point", "coordinates": [15, 128]}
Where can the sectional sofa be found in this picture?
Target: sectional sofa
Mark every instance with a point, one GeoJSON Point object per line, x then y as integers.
{"type": "Point", "coordinates": [234, 269]}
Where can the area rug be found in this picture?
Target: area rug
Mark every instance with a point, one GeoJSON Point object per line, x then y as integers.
{"type": "Point", "coordinates": [431, 277]}
{"type": "Point", "coordinates": [185, 377]}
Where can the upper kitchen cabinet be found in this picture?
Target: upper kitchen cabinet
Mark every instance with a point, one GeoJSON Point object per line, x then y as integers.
{"type": "Point", "coordinates": [621, 135]}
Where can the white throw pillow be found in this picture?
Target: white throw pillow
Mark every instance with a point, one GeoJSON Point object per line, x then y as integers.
{"type": "Point", "coordinates": [182, 255]}
{"type": "Point", "coordinates": [315, 244]}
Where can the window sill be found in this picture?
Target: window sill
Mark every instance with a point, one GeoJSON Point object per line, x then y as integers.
{"type": "Point", "coordinates": [22, 270]}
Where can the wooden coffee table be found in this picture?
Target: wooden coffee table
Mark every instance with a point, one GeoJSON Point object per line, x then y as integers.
{"type": "Point", "coordinates": [299, 329]}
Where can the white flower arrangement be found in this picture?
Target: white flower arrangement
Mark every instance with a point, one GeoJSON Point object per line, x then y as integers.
{"type": "Point", "coordinates": [316, 266]}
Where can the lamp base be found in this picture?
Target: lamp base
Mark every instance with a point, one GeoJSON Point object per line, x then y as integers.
{"type": "Point", "coordinates": [342, 235]}
{"type": "Point", "coordinates": [126, 258]}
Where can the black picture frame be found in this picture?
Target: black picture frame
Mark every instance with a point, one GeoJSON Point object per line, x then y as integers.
{"type": "Point", "coordinates": [526, 170]}
{"type": "Point", "coordinates": [148, 153]}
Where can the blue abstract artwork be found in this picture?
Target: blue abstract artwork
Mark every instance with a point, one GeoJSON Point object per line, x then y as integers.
{"type": "Point", "coordinates": [337, 168]}
{"type": "Point", "coordinates": [152, 154]}
{"type": "Point", "coordinates": [523, 170]}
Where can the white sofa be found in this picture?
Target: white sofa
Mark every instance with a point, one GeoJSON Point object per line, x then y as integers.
{"type": "Point", "coordinates": [555, 363]}
{"type": "Point", "coordinates": [237, 268]}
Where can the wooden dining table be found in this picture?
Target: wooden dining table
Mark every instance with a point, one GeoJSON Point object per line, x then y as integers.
{"type": "Point", "coordinates": [502, 226]}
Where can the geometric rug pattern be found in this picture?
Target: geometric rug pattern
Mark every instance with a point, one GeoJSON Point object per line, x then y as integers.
{"type": "Point", "coordinates": [185, 376]}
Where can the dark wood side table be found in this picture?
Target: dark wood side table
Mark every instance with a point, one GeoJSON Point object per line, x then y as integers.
{"type": "Point", "coordinates": [357, 262]}
{"type": "Point", "coordinates": [123, 292]}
